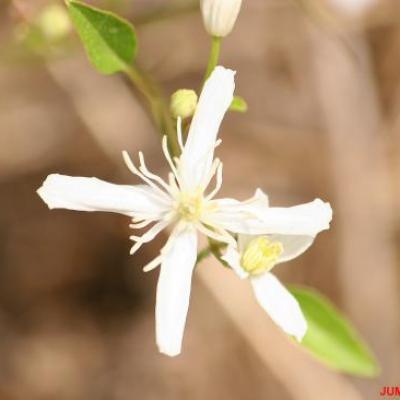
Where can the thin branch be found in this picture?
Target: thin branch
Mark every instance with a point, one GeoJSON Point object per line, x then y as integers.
{"type": "Point", "coordinates": [158, 107]}
{"type": "Point", "coordinates": [169, 11]}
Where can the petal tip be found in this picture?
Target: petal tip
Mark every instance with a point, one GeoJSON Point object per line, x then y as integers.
{"type": "Point", "coordinates": [170, 353]}
{"type": "Point", "coordinates": [168, 349]}
{"type": "Point", "coordinates": [226, 71]}
{"type": "Point", "coordinates": [43, 191]}
{"type": "Point", "coordinates": [328, 212]}
{"type": "Point", "coordinates": [302, 332]}
{"type": "Point", "coordinates": [325, 212]}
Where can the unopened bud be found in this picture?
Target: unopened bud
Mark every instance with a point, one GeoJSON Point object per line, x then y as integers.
{"type": "Point", "coordinates": [219, 16]}
{"type": "Point", "coordinates": [54, 22]}
{"type": "Point", "coordinates": [183, 103]}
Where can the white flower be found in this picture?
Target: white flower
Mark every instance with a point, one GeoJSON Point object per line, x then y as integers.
{"type": "Point", "coordinates": [219, 16]}
{"type": "Point", "coordinates": [255, 256]}
{"type": "Point", "coordinates": [184, 203]}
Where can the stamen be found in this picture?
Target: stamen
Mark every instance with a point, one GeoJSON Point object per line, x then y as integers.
{"type": "Point", "coordinates": [173, 184]}
{"type": "Point", "coordinates": [224, 233]}
{"type": "Point", "coordinates": [140, 225]}
{"type": "Point", "coordinates": [135, 248]}
{"type": "Point", "coordinates": [140, 220]}
{"type": "Point", "coordinates": [129, 163]}
{"type": "Point", "coordinates": [206, 180]}
{"type": "Point", "coordinates": [169, 159]}
{"type": "Point", "coordinates": [153, 264]}
{"type": "Point", "coordinates": [179, 227]}
{"type": "Point", "coordinates": [211, 173]}
{"type": "Point", "coordinates": [135, 171]}
{"type": "Point", "coordinates": [148, 236]}
{"type": "Point", "coordinates": [261, 255]}
{"type": "Point", "coordinates": [218, 183]}
{"type": "Point", "coordinates": [190, 206]}
{"type": "Point", "coordinates": [179, 132]}
{"type": "Point", "coordinates": [153, 216]}
{"type": "Point", "coordinates": [223, 236]}
{"type": "Point", "coordinates": [152, 232]}
{"type": "Point", "coordinates": [150, 175]}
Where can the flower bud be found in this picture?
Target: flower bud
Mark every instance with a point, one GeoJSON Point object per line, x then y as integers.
{"type": "Point", "coordinates": [54, 22]}
{"type": "Point", "coordinates": [260, 255]}
{"type": "Point", "coordinates": [219, 16]}
{"type": "Point", "coordinates": [183, 103]}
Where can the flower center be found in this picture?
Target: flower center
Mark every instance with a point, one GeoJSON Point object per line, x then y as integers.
{"type": "Point", "coordinates": [260, 255]}
{"type": "Point", "coordinates": [190, 206]}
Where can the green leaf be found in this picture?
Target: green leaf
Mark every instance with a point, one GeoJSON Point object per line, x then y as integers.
{"type": "Point", "coordinates": [238, 104]}
{"type": "Point", "coordinates": [331, 338]}
{"type": "Point", "coordinates": [109, 40]}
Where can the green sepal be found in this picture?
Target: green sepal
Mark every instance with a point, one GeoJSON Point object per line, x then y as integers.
{"type": "Point", "coordinates": [238, 104]}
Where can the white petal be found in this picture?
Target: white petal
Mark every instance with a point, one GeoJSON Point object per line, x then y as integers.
{"type": "Point", "coordinates": [232, 257]}
{"type": "Point", "coordinates": [92, 194]}
{"type": "Point", "coordinates": [173, 291]}
{"type": "Point", "coordinates": [254, 219]}
{"type": "Point", "coordinates": [280, 305]}
{"type": "Point", "coordinates": [259, 199]}
{"type": "Point", "coordinates": [293, 245]}
{"type": "Point", "coordinates": [214, 101]}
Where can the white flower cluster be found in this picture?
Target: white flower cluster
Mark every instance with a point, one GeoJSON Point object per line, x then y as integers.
{"type": "Point", "coordinates": [256, 235]}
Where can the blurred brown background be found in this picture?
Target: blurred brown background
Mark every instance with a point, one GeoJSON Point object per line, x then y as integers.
{"type": "Point", "coordinates": [76, 312]}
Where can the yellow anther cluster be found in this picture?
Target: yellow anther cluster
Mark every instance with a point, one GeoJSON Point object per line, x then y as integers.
{"type": "Point", "coordinates": [260, 255]}
{"type": "Point", "coordinates": [190, 207]}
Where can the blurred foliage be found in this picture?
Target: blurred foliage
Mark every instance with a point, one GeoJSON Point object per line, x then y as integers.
{"type": "Point", "coordinates": [331, 338]}
{"type": "Point", "coordinates": [46, 34]}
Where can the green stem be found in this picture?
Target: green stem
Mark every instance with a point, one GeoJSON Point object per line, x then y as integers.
{"type": "Point", "coordinates": [171, 10]}
{"type": "Point", "coordinates": [214, 55]}
{"type": "Point", "coordinates": [157, 105]}
{"type": "Point", "coordinates": [213, 248]}
{"type": "Point", "coordinates": [202, 254]}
